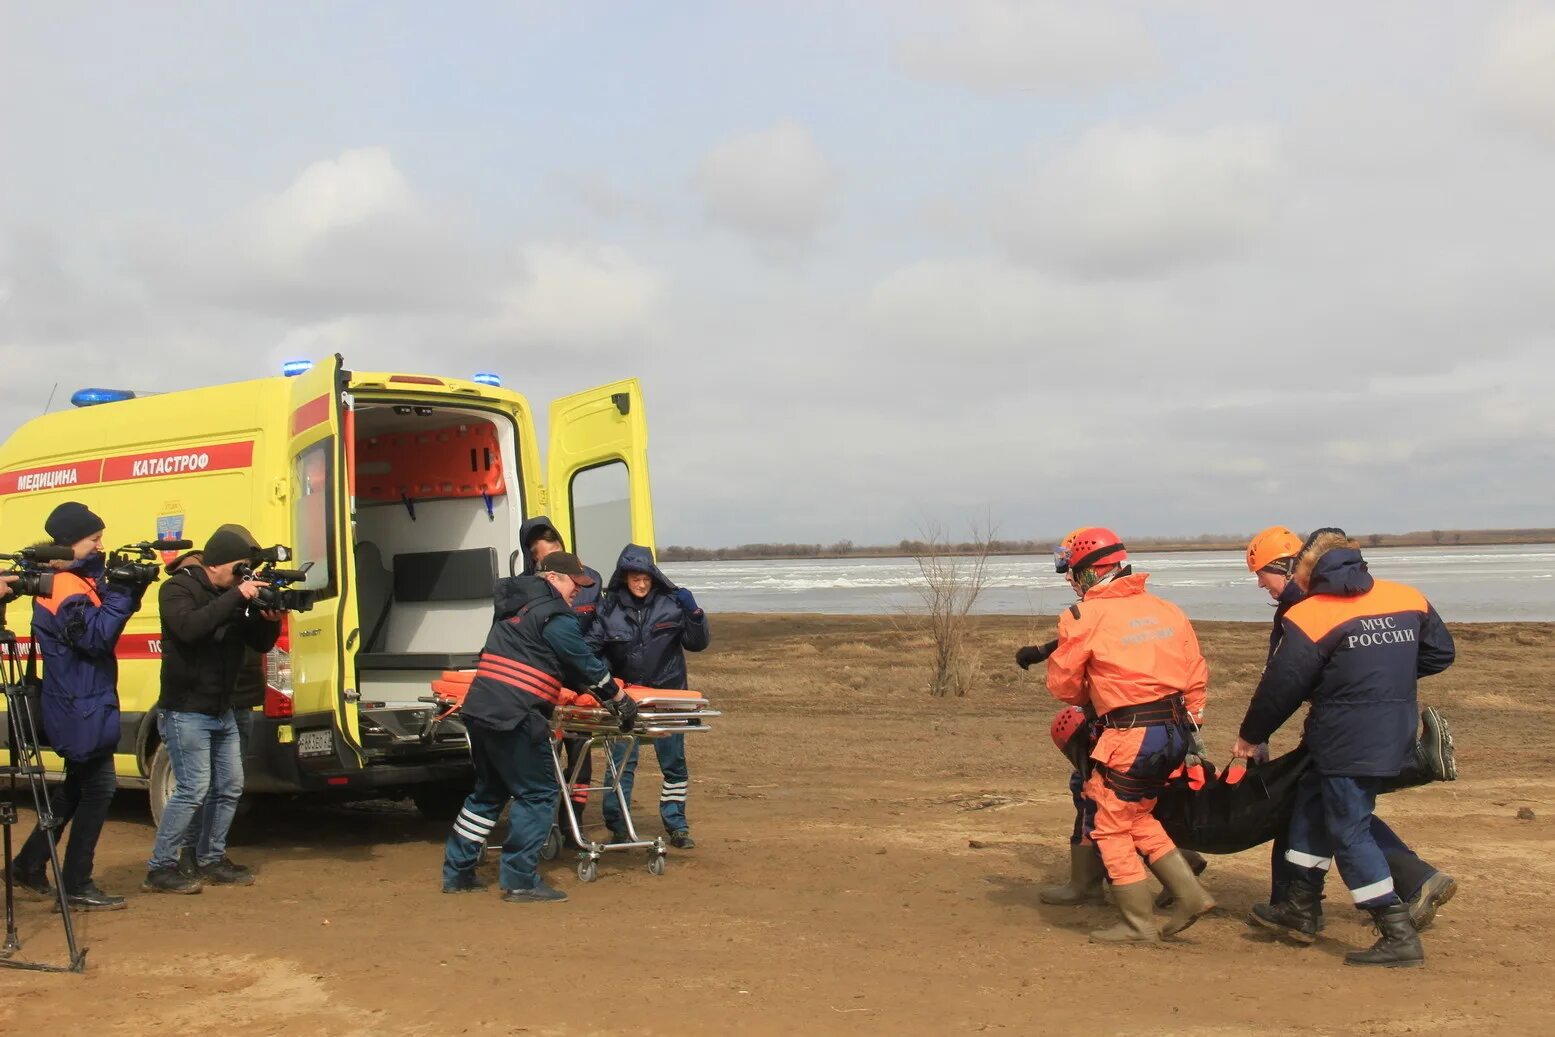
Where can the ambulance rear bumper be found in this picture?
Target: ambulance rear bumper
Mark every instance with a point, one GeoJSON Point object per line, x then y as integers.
{"type": "Point", "coordinates": [302, 763]}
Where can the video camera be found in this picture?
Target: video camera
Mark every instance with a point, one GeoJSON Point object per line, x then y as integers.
{"type": "Point", "coordinates": [136, 565]}
{"type": "Point", "coordinates": [31, 577]}
{"type": "Point", "coordinates": [277, 597]}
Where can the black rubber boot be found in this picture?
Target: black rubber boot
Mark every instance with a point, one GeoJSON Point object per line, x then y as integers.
{"type": "Point", "coordinates": [1398, 946]}
{"type": "Point", "coordinates": [1300, 917]}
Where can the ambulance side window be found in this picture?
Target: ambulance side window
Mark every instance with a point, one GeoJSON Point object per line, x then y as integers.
{"type": "Point", "coordinates": [601, 513]}
{"type": "Point", "coordinates": [313, 514]}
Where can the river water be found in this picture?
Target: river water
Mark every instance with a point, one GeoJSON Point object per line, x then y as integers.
{"type": "Point", "coordinates": [1466, 584]}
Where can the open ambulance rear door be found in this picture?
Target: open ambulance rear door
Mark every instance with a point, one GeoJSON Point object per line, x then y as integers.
{"type": "Point", "coordinates": [322, 642]}
{"type": "Point", "coordinates": [598, 472]}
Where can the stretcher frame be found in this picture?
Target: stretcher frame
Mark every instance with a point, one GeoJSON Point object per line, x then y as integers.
{"type": "Point", "coordinates": [658, 716]}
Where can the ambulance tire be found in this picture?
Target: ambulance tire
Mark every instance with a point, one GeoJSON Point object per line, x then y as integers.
{"type": "Point", "coordinates": [439, 802]}
{"type": "Point", "coordinates": [159, 782]}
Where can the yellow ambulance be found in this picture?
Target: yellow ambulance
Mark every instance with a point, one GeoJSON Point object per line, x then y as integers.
{"type": "Point", "coordinates": [404, 491]}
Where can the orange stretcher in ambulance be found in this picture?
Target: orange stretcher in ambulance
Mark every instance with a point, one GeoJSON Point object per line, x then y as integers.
{"type": "Point", "coordinates": [405, 491]}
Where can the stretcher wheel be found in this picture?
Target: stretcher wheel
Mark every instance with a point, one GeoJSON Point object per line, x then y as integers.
{"type": "Point", "coordinates": [587, 871]}
{"type": "Point", "coordinates": [552, 847]}
{"type": "Point", "coordinates": [656, 865]}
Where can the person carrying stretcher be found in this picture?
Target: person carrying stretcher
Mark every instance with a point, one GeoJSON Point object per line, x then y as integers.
{"type": "Point", "coordinates": [1135, 660]}
{"type": "Point", "coordinates": [533, 649]}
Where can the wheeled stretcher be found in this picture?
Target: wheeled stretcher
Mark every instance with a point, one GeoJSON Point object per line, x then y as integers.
{"type": "Point", "coordinates": [660, 714]}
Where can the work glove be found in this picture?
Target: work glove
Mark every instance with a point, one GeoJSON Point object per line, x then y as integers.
{"type": "Point", "coordinates": [1196, 744]}
{"type": "Point", "coordinates": [624, 708]}
{"type": "Point", "coordinates": [684, 599]}
{"type": "Point", "coordinates": [1034, 654]}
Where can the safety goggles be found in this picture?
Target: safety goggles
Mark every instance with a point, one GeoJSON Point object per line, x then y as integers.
{"type": "Point", "coordinates": [1061, 556]}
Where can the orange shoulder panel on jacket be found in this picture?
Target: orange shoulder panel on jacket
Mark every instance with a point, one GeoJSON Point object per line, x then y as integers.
{"type": "Point", "coordinates": [67, 585]}
{"type": "Point", "coordinates": [1318, 615]}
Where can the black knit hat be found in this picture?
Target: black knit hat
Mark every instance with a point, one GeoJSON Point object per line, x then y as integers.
{"type": "Point", "coordinates": [71, 523]}
{"type": "Point", "coordinates": [231, 543]}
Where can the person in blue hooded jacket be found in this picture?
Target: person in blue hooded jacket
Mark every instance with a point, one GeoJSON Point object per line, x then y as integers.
{"type": "Point", "coordinates": [1354, 647]}
{"type": "Point", "coordinates": [643, 629]}
{"type": "Point", "coordinates": [75, 631]}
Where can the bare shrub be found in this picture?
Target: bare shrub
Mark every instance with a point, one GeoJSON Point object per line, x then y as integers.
{"type": "Point", "coordinates": [952, 579]}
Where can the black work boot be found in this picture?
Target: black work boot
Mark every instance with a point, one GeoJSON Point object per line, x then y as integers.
{"type": "Point", "coordinates": [33, 881]}
{"type": "Point", "coordinates": [1300, 917]}
{"type": "Point", "coordinates": [188, 867]}
{"type": "Point", "coordinates": [1436, 891]}
{"type": "Point", "coordinates": [1398, 946]}
{"type": "Point", "coordinates": [226, 872]}
{"type": "Point", "coordinates": [681, 839]}
{"type": "Point", "coordinates": [90, 898]}
{"type": "Point", "coordinates": [1436, 745]}
{"type": "Point", "coordinates": [168, 880]}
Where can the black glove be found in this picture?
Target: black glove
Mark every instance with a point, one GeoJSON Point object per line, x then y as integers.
{"type": "Point", "coordinates": [1034, 654]}
{"type": "Point", "coordinates": [624, 708]}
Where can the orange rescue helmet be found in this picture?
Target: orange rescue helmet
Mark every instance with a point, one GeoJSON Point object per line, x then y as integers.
{"type": "Point", "coordinates": [1061, 551]}
{"type": "Point", "coordinates": [1272, 545]}
{"type": "Point", "coordinates": [1095, 546]}
{"type": "Point", "coordinates": [1065, 723]}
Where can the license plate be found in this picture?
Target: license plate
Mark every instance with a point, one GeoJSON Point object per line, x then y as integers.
{"type": "Point", "coordinates": [316, 743]}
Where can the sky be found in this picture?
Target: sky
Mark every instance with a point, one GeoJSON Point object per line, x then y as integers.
{"type": "Point", "coordinates": [1175, 267]}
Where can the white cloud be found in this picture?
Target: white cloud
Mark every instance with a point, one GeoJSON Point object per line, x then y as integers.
{"type": "Point", "coordinates": [579, 294]}
{"type": "Point", "coordinates": [1044, 46]}
{"type": "Point", "coordinates": [1138, 200]}
{"type": "Point", "coordinates": [1518, 74]}
{"type": "Point", "coordinates": [775, 185]}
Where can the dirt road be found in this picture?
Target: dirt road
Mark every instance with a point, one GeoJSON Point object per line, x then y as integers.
{"type": "Point", "coordinates": [869, 862]}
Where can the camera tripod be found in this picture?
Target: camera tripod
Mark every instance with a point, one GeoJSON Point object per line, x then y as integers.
{"type": "Point", "coordinates": [24, 760]}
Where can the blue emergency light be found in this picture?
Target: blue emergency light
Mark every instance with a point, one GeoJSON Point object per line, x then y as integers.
{"type": "Point", "coordinates": [293, 368]}
{"type": "Point", "coordinates": [92, 397]}
{"type": "Point", "coordinates": [487, 378]}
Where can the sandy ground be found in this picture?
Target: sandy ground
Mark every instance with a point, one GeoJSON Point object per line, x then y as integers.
{"type": "Point", "coordinates": [837, 887]}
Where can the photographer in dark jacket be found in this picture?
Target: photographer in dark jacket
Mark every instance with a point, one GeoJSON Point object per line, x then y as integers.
{"type": "Point", "coordinates": [644, 627]}
{"type": "Point", "coordinates": [208, 623]}
{"type": "Point", "coordinates": [75, 631]}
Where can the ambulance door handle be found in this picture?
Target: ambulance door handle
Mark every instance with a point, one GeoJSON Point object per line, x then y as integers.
{"type": "Point", "coordinates": [351, 638]}
{"type": "Point", "coordinates": [278, 489]}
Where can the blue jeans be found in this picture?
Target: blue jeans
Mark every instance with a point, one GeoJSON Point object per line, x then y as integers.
{"type": "Point", "coordinates": [207, 761]}
{"type": "Point", "coordinates": [200, 831]}
{"type": "Point", "coordinates": [1333, 821]}
{"type": "Point", "coordinates": [671, 752]}
{"type": "Point", "coordinates": [512, 765]}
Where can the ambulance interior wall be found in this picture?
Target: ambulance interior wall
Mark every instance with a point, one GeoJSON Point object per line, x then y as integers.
{"type": "Point", "coordinates": [444, 525]}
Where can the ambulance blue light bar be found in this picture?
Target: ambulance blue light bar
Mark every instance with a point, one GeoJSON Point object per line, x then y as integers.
{"type": "Point", "coordinates": [487, 378]}
{"type": "Point", "coordinates": [92, 397]}
{"type": "Point", "coordinates": [293, 368]}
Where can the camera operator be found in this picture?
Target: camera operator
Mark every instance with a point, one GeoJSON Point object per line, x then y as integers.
{"type": "Point", "coordinates": [75, 630]}
{"type": "Point", "coordinates": [207, 626]}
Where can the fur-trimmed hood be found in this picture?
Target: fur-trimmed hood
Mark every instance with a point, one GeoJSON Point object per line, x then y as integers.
{"type": "Point", "coordinates": [1332, 564]}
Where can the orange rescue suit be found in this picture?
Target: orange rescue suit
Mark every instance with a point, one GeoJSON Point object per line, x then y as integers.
{"type": "Point", "coordinates": [1123, 646]}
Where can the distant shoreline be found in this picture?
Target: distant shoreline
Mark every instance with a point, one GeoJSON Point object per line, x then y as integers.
{"type": "Point", "coordinates": [817, 552]}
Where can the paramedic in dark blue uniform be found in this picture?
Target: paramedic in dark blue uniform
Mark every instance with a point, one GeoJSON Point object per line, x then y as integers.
{"type": "Point", "coordinates": [534, 647]}
{"type": "Point", "coordinates": [1354, 648]}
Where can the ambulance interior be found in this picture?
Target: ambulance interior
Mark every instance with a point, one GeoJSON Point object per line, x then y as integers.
{"type": "Point", "coordinates": [438, 502]}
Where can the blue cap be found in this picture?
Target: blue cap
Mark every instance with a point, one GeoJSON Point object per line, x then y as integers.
{"type": "Point", "coordinates": [487, 378]}
{"type": "Point", "coordinates": [293, 368]}
{"type": "Point", "coordinates": [92, 397]}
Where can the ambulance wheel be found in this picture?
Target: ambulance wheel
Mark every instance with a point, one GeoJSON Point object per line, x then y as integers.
{"type": "Point", "coordinates": [439, 802]}
{"type": "Point", "coordinates": [588, 871]}
{"type": "Point", "coordinates": [552, 845]}
{"type": "Point", "coordinates": [160, 783]}
{"type": "Point", "coordinates": [656, 865]}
